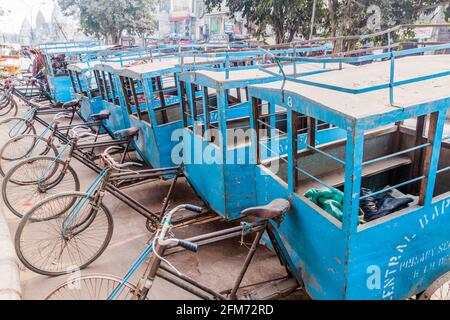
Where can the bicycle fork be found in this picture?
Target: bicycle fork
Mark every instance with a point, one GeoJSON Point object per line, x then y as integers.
{"type": "Point", "coordinates": [43, 188]}
{"type": "Point", "coordinates": [146, 282]}
{"type": "Point", "coordinates": [98, 189]}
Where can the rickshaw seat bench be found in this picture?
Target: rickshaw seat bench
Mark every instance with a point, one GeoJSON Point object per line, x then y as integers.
{"type": "Point", "coordinates": [273, 210]}
{"type": "Point", "coordinates": [103, 115]}
{"type": "Point", "coordinates": [337, 177]}
{"type": "Point", "coordinates": [126, 133]}
{"type": "Point", "coordinates": [71, 104]}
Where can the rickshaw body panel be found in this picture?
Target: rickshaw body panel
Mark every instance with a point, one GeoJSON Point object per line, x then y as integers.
{"type": "Point", "coordinates": [312, 244]}
{"type": "Point", "coordinates": [61, 88]}
{"type": "Point", "coordinates": [116, 119]}
{"type": "Point", "coordinates": [394, 257]}
{"type": "Point", "coordinates": [207, 181]}
{"type": "Point", "coordinates": [233, 178]}
{"type": "Point", "coordinates": [236, 179]}
{"type": "Point", "coordinates": [165, 143]}
{"type": "Point", "coordinates": [89, 106]}
{"type": "Point", "coordinates": [145, 143]}
{"type": "Point", "coordinates": [400, 256]}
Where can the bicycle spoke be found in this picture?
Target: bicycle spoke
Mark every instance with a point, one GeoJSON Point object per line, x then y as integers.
{"type": "Point", "coordinates": [91, 288]}
{"type": "Point", "coordinates": [28, 183]}
{"type": "Point", "coordinates": [61, 249]}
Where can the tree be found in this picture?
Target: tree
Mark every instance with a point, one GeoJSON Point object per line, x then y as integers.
{"type": "Point", "coordinates": [287, 18]}
{"type": "Point", "coordinates": [355, 17]}
{"type": "Point", "coordinates": [109, 19]}
{"type": "Point", "coordinates": [350, 17]}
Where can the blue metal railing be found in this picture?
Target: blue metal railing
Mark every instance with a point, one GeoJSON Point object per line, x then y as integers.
{"type": "Point", "coordinates": [391, 56]}
{"type": "Point", "coordinates": [230, 56]}
{"type": "Point", "coordinates": [392, 187]}
{"type": "Point", "coordinates": [393, 155]}
{"type": "Point", "coordinates": [443, 170]}
{"type": "Point", "coordinates": [324, 184]}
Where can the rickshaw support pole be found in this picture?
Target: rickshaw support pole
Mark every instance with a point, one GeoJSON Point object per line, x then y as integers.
{"type": "Point", "coordinates": [247, 262]}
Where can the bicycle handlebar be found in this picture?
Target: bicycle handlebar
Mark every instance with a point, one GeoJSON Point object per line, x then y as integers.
{"type": "Point", "coordinates": [167, 224]}
{"type": "Point", "coordinates": [188, 245]}
{"type": "Point", "coordinates": [193, 208]}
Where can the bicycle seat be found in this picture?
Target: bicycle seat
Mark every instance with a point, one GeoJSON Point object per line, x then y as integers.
{"type": "Point", "coordinates": [71, 104]}
{"type": "Point", "coordinates": [102, 115]}
{"type": "Point", "coordinates": [126, 133]}
{"type": "Point", "coordinates": [275, 209]}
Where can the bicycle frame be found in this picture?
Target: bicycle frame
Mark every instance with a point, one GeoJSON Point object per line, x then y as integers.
{"type": "Point", "coordinates": [155, 269]}
{"type": "Point", "coordinates": [105, 182]}
{"type": "Point", "coordinates": [27, 120]}
{"type": "Point", "coordinates": [50, 128]}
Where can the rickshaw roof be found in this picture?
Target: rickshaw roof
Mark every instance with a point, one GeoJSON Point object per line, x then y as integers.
{"type": "Point", "coordinates": [139, 70]}
{"type": "Point", "coordinates": [81, 67]}
{"type": "Point", "coordinates": [241, 76]}
{"type": "Point", "coordinates": [354, 102]}
{"type": "Point", "coordinates": [110, 66]}
{"type": "Point", "coordinates": [75, 50]}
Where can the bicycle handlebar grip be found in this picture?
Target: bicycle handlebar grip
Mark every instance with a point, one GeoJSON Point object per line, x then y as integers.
{"type": "Point", "coordinates": [193, 208]}
{"type": "Point", "coordinates": [188, 245]}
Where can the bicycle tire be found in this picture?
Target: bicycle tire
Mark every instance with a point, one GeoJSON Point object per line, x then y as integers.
{"type": "Point", "coordinates": [19, 204]}
{"type": "Point", "coordinates": [437, 288]}
{"type": "Point", "coordinates": [57, 267]}
{"type": "Point", "coordinates": [7, 161]}
{"type": "Point", "coordinates": [8, 123]}
{"type": "Point", "coordinates": [69, 289]}
{"type": "Point", "coordinates": [6, 107]}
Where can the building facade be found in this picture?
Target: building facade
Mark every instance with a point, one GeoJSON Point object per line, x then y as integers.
{"type": "Point", "coordinates": [189, 20]}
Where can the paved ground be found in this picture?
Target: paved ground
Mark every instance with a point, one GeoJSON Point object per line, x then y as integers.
{"type": "Point", "coordinates": [216, 265]}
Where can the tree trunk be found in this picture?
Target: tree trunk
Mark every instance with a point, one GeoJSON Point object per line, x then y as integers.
{"type": "Point", "coordinates": [332, 12]}
{"type": "Point", "coordinates": [279, 37]}
{"type": "Point", "coordinates": [114, 39]}
{"type": "Point", "coordinates": [291, 36]}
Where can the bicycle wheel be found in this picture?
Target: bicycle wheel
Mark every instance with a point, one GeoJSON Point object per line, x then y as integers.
{"type": "Point", "coordinates": [92, 287]}
{"type": "Point", "coordinates": [16, 126]}
{"type": "Point", "coordinates": [9, 107]}
{"type": "Point", "coordinates": [51, 241]}
{"type": "Point", "coordinates": [6, 106]}
{"type": "Point", "coordinates": [22, 147]}
{"type": "Point", "coordinates": [33, 180]}
{"type": "Point", "coordinates": [439, 290]}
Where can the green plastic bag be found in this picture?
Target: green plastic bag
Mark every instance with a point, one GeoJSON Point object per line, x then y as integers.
{"type": "Point", "coordinates": [328, 200]}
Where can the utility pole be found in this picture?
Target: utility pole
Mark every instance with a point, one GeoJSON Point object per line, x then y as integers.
{"type": "Point", "coordinates": [56, 22]}
{"type": "Point", "coordinates": [313, 19]}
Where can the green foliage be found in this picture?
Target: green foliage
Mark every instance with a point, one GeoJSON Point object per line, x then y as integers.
{"type": "Point", "coordinates": [109, 19]}
{"type": "Point", "coordinates": [287, 18]}
{"type": "Point", "coordinates": [353, 17]}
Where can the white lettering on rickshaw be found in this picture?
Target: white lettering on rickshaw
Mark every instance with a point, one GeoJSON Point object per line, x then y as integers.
{"type": "Point", "coordinates": [421, 261]}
